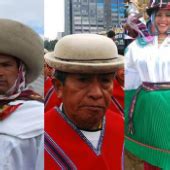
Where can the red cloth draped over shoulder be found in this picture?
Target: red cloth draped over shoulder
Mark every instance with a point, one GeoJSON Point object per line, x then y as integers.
{"type": "Point", "coordinates": [66, 148]}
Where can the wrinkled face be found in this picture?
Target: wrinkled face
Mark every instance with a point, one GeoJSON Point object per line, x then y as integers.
{"type": "Point", "coordinates": [8, 73]}
{"type": "Point", "coordinates": [86, 98]}
{"type": "Point", "coordinates": [162, 20]}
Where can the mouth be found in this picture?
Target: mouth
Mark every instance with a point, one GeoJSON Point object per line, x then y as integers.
{"type": "Point", "coordinates": [95, 108]}
{"type": "Point", "coordinates": [163, 25]}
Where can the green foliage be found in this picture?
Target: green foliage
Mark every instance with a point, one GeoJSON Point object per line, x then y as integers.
{"type": "Point", "coordinates": [50, 44]}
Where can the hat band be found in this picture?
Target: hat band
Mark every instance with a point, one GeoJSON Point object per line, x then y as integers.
{"type": "Point", "coordinates": [108, 60]}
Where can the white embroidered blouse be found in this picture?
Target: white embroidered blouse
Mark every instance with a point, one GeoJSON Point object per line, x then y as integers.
{"type": "Point", "coordinates": [150, 63]}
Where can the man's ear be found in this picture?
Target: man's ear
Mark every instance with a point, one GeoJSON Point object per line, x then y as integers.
{"type": "Point", "coordinates": [58, 87]}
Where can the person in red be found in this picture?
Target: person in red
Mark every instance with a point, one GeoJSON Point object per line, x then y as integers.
{"type": "Point", "coordinates": [117, 103]}
{"type": "Point", "coordinates": [50, 95]}
{"type": "Point", "coordinates": [82, 133]}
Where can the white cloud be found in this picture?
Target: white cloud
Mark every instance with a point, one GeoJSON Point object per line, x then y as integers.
{"type": "Point", "coordinates": [53, 18]}
{"type": "Point", "coordinates": [38, 14]}
{"type": "Point", "coordinates": [30, 12]}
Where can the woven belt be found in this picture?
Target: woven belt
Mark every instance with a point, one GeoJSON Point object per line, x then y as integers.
{"type": "Point", "coordinates": [148, 87]}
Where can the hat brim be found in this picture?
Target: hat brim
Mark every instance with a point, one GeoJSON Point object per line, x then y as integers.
{"type": "Point", "coordinates": [84, 67]}
{"type": "Point", "coordinates": [156, 8]}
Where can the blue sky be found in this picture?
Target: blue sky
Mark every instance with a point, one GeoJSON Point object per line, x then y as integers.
{"type": "Point", "coordinates": [29, 12]}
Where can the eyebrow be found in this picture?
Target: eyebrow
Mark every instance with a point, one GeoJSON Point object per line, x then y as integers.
{"type": "Point", "coordinates": [7, 61]}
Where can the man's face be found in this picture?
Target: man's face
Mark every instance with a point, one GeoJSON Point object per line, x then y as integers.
{"type": "Point", "coordinates": [8, 73]}
{"type": "Point", "coordinates": [86, 98]}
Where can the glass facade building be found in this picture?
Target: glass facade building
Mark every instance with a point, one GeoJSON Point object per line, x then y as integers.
{"type": "Point", "coordinates": [92, 16]}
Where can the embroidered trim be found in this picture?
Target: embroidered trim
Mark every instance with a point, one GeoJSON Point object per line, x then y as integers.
{"type": "Point", "coordinates": [118, 105]}
{"type": "Point", "coordinates": [148, 146]}
{"type": "Point", "coordinates": [148, 86]}
{"type": "Point", "coordinates": [58, 155]}
{"type": "Point", "coordinates": [48, 95]}
{"type": "Point", "coordinates": [96, 150]}
{"type": "Point", "coordinates": [7, 110]}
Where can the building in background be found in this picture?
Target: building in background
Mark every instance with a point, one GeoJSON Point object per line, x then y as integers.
{"type": "Point", "coordinates": [92, 16]}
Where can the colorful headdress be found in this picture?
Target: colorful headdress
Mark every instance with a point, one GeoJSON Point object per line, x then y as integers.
{"type": "Point", "coordinates": [156, 4]}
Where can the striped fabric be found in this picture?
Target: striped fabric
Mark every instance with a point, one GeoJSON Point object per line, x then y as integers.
{"type": "Point", "coordinates": [118, 105]}
{"type": "Point", "coordinates": [150, 140]}
{"type": "Point", "coordinates": [58, 155]}
{"type": "Point", "coordinates": [48, 95]}
{"type": "Point", "coordinates": [148, 87]}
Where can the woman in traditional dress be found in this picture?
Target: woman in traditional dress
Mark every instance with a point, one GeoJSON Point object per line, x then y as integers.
{"type": "Point", "coordinates": [147, 90]}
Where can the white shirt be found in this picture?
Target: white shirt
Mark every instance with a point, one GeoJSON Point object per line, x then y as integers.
{"type": "Point", "coordinates": [149, 63]}
{"type": "Point", "coordinates": [93, 137]}
{"type": "Point", "coordinates": [20, 136]}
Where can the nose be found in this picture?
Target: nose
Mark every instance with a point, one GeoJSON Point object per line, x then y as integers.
{"type": "Point", "coordinates": [164, 18]}
{"type": "Point", "coordinates": [95, 90]}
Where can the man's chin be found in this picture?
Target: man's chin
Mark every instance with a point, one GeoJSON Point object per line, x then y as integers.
{"type": "Point", "coordinates": [94, 115]}
{"type": "Point", "coordinates": [90, 123]}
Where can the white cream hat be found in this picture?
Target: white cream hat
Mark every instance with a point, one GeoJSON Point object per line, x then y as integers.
{"type": "Point", "coordinates": [85, 53]}
{"type": "Point", "coordinates": [20, 41]}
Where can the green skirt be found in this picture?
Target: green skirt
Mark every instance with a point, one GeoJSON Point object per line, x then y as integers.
{"type": "Point", "coordinates": [151, 119]}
